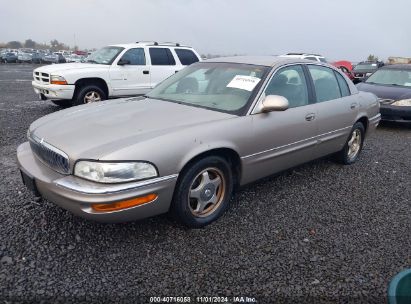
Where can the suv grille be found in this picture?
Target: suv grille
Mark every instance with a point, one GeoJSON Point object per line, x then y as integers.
{"type": "Point", "coordinates": [49, 155]}
{"type": "Point", "coordinates": [41, 77]}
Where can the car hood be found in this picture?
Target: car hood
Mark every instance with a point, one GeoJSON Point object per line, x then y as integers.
{"type": "Point", "coordinates": [385, 91]}
{"type": "Point", "coordinates": [64, 67]}
{"type": "Point", "coordinates": [94, 130]}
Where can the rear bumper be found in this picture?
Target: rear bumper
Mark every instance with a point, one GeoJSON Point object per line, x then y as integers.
{"type": "Point", "coordinates": [76, 195]}
{"type": "Point", "coordinates": [54, 91]}
{"type": "Point", "coordinates": [389, 112]}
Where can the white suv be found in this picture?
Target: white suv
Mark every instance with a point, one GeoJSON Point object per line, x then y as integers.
{"type": "Point", "coordinates": [113, 71]}
{"type": "Point", "coordinates": [314, 57]}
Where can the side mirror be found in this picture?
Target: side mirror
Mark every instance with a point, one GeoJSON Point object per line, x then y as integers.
{"type": "Point", "coordinates": [274, 103]}
{"type": "Point", "coordinates": [123, 62]}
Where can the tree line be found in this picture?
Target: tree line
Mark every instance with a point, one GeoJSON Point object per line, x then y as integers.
{"type": "Point", "coordinates": [53, 45]}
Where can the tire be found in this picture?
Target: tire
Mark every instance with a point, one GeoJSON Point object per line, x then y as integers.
{"type": "Point", "coordinates": [199, 198]}
{"type": "Point", "coordinates": [353, 146]}
{"type": "Point", "coordinates": [86, 92]}
{"type": "Point", "coordinates": [64, 103]}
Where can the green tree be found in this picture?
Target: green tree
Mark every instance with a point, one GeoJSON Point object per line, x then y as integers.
{"type": "Point", "coordinates": [372, 58]}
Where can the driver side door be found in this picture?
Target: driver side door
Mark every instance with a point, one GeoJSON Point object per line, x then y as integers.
{"type": "Point", "coordinates": [284, 139]}
{"type": "Point", "coordinates": [129, 74]}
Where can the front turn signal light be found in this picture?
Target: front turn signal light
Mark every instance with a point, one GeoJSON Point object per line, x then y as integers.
{"type": "Point", "coordinates": [55, 79]}
{"type": "Point", "coordinates": [124, 204]}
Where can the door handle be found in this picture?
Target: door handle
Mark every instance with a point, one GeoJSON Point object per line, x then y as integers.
{"type": "Point", "coordinates": [310, 117]}
{"type": "Point", "coordinates": [146, 72]}
{"type": "Point", "coordinates": [353, 106]}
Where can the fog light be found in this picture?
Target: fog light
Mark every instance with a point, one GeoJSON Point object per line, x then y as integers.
{"type": "Point", "coordinates": [124, 204]}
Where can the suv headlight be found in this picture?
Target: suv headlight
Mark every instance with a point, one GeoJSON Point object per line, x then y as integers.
{"type": "Point", "coordinates": [54, 79]}
{"type": "Point", "coordinates": [402, 103]}
{"type": "Point", "coordinates": [111, 172]}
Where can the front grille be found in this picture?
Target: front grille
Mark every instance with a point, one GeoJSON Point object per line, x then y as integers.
{"type": "Point", "coordinates": [49, 155]}
{"type": "Point", "coordinates": [41, 77]}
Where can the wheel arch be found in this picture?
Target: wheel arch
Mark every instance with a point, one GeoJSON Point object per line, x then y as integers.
{"type": "Point", "coordinates": [91, 81]}
{"type": "Point", "coordinates": [365, 122]}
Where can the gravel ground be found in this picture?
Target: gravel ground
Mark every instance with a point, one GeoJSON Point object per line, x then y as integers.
{"type": "Point", "coordinates": [319, 233]}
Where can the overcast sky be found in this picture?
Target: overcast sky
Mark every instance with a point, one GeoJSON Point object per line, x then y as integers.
{"type": "Point", "coordinates": [349, 29]}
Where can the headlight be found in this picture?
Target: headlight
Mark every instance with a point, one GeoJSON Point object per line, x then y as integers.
{"type": "Point", "coordinates": [54, 79]}
{"type": "Point", "coordinates": [107, 172]}
{"type": "Point", "coordinates": [402, 103]}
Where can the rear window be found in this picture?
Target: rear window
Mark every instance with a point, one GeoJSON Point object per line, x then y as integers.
{"type": "Point", "coordinates": [161, 56]}
{"type": "Point", "coordinates": [186, 57]}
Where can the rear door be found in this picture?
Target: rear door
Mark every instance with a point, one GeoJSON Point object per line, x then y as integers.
{"type": "Point", "coordinates": [287, 138]}
{"type": "Point", "coordinates": [132, 78]}
{"type": "Point", "coordinates": [162, 64]}
{"type": "Point", "coordinates": [337, 108]}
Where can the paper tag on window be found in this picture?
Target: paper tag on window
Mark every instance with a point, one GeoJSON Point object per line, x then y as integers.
{"type": "Point", "coordinates": [242, 82]}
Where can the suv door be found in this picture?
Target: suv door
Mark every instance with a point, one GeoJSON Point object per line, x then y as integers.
{"type": "Point", "coordinates": [130, 74]}
{"type": "Point", "coordinates": [163, 64]}
{"type": "Point", "coordinates": [285, 138]}
{"type": "Point", "coordinates": [337, 108]}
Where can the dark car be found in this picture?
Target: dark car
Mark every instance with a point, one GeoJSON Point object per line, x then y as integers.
{"type": "Point", "coordinates": [364, 69]}
{"type": "Point", "coordinates": [9, 57]}
{"type": "Point", "coordinates": [392, 85]}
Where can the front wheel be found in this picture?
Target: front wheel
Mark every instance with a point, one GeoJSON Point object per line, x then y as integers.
{"type": "Point", "coordinates": [89, 94]}
{"type": "Point", "coordinates": [203, 192]}
{"type": "Point", "coordinates": [352, 148]}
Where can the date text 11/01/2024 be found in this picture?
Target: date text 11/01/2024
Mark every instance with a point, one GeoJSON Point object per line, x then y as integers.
{"type": "Point", "coordinates": [202, 300]}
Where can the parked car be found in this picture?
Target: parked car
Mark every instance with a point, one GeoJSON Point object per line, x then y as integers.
{"type": "Point", "coordinates": [313, 57]}
{"type": "Point", "coordinates": [364, 69]}
{"type": "Point", "coordinates": [117, 70]}
{"type": "Point", "coordinates": [37, 58]}
{"type": "Point", "coordinates": [54, 58]}
{"type": "Point", "coordinates": [197, 135]}
{"type": "Point", "coordinates": [24, 58]}
{"type": "Point", "coordinates": [392, 85]}
{"type": "Point", "coordinates": [9, 58]}
{"type": "Point", "coordinates": [345, 66]}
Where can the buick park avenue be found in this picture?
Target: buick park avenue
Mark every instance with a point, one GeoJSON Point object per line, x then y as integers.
{"type": "Point", "coordinates": [186, 145]}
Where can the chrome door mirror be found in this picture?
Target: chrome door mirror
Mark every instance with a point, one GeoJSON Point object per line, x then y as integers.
{"type": "Point", "coordinates": [274, 103]}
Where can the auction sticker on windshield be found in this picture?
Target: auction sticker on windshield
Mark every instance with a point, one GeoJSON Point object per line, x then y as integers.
{"type": "Point", "coordinates": [243, 82]}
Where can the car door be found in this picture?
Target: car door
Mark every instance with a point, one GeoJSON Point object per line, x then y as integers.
{"type": "Point", "coordinates": [284, 139]}
{"type": "Point", "coordinates": [162, 64]}
{"type": "Point", "coordinates": [129, 73]}
{"type": "Point", "coordinates": [337, 108]}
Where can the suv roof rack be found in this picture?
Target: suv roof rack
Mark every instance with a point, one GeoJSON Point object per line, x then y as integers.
{"type": "Point", "coordinates": [148, 42]}
{"type": "Point", "coordinates": [161, 43]}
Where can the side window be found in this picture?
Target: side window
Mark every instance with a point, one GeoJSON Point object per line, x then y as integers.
{"type": "Point", "coordinates": [290, 83]}
{"type": "Point", "coordinates": [325, 83]}
{"type": "Point", "coordinates": [345, 91]}
{"type": "Point", "coordinates": [161, 56]}
{"type": "Point", "coordinates": [186, 57]}
{"type": "Point", "coordinates": [311, 58]}
{"type": "Point", "coordinates": [135, 56]}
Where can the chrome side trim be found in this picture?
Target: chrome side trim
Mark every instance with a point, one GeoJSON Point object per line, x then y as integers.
{"type": "Point", "coordinates": [375, 118]}
{"type": "Point", "coordinates": [317, 138]}
{"type": "Point", "coordinates": [86, 187]}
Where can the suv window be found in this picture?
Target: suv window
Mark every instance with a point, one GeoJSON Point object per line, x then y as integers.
{"type": "Point", "coordinates": [135, 56]}
{"type": "Point", "coordinates": [345, 91]}
{"type": "Point", "coordinates": [290, 83]}
{"type": "Point", "coordinates": [325, 83]}
{"type": "Point", "coordinates": [186, 57]}
{"type": "Point", "coordinates": [161, 56]}
{"type": "Point", "coordinates": [311, 58]}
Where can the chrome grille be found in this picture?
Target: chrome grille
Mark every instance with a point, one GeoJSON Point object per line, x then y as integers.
{"type": "Point", "coordinates": [41, 77]}
{"type": "Point", "coordinates": [49, 155]}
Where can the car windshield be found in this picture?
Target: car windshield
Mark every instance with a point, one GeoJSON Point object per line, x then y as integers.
{"type": "Point", "coordinates": [105, 55]}
{"type": "Point", "coordinates": [225, 87]}
{"type": "Point", "coordinates": [391, 77]}
{"type": "Point", "coordinates": [365, 67]}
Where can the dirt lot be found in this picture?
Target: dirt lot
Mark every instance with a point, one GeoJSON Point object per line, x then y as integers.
{"type": "Point", "coordinates": [319, 233]}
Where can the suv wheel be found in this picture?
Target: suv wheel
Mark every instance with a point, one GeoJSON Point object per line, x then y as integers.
{"type": "Point", "coordinates": [89, 94]}
{"type": "Point", "coordinates": [203, 192]}
{"type": "Point", "coordinates": [352, 148]}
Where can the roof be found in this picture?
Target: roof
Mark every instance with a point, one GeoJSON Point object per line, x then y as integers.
{"type": "Point", "coordinates": [398, 66]}
{"type": "Point", "coordinates": [151, 43]}
{"type": "Point", "coordinates": [259, 60]}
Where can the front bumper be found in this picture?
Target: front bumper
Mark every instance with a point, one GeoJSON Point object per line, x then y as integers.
{"type": "Point", "coordinates": [76, 195]}
{"type": "Point", "coordinates": [54, 91]}
{"type": "Point", "coordinates": [396, 113]}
